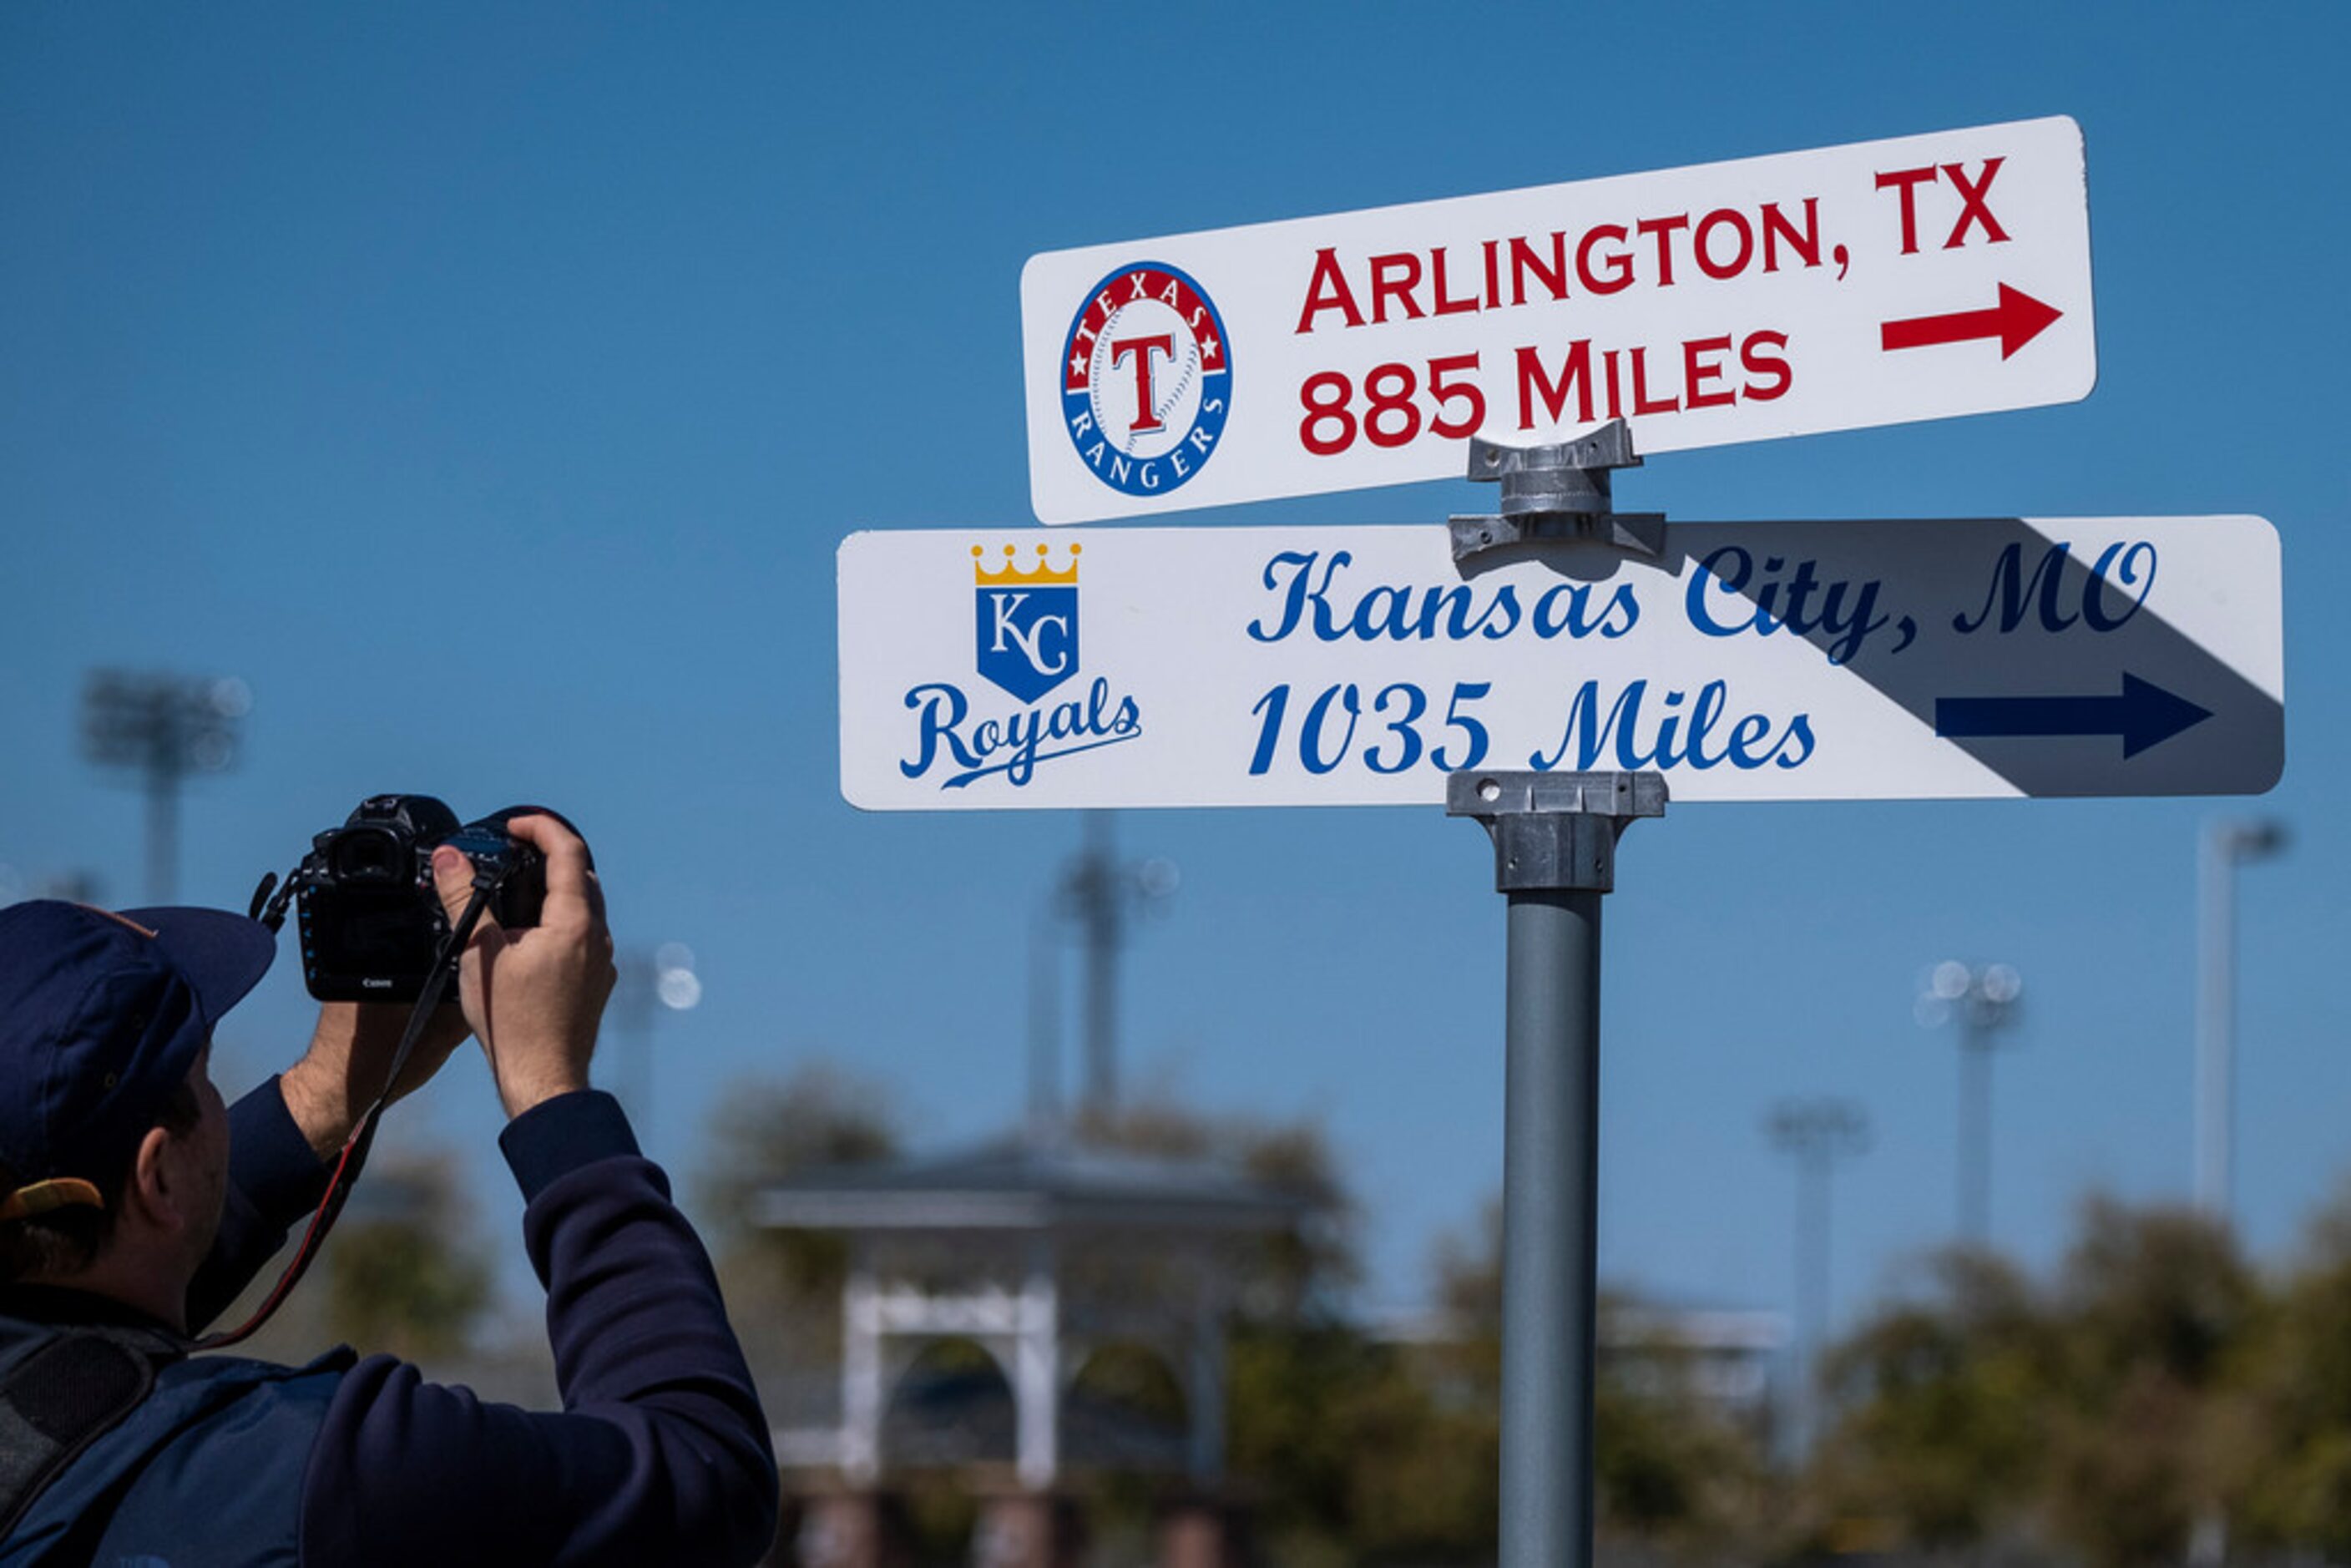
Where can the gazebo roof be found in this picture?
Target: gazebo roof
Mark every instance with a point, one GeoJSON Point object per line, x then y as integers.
{"type": "Point", "coordinates": [1021, 1185]}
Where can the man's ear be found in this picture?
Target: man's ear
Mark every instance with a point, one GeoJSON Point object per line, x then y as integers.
{"type": "Point", "coordinates": [157, 1191]}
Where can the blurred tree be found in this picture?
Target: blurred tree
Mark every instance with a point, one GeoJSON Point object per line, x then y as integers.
{"type": "Point", "coordinates": [1351, 1455]}
{"type": "Point", "coordinates": [1347, 1449]}
{"type": "Point", "coordinates": [1669, 1468]}
{"type": "Point", "coordinates": [403, 1273]}
{"type": "Point", "coordinates": [1939, 1404]}
{"type": "Point", "coordinates": [783, 1288]}
{"type": "Point", "coordinates": [766, 1130]}
{"type": "Point", "coordinates": [2290, 1432]}
{"type": "Point", "coordinates": [1299, 1273]}
{"type": "Point", "coordinates": [2105, 1410]}
{"type": "Point", "coordinates": [2156, 1309]}
{"type": "Point", "coordinates": [1356, 1447]}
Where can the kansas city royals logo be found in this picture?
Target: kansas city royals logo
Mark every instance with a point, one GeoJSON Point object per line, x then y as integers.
{"type": "Point", "coordinates": [1028, 622]}
{"type": "Point", "coordinates": [1025, 620]}
{"type": "Point", "coordinates": [1146, 379]}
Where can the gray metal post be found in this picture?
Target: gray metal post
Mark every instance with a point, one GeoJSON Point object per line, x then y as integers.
{"type": "Point", "coordinates": [1987, 1000]}
{"type": "Point", "coordinates": [1975, 1133]}
{"type": "Point", "coordinates": [1097, 888]}
{"type": "Point", "coordinates": [1550, 1208]}
{"type": "Point", "coordinates": [634, 997]}
{"type": "Point", "coordinates": [2216, 980]}
{"type": "Point", "coordinates": [1045, 1122]}
{"type": "Point", "coordinates": [2223, 846]}
{"type": "Point", "coordinates": [1554, 855]}
{"type": "Point", "coordinates": [1818, 1132]}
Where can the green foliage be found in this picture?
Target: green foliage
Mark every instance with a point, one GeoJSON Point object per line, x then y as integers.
{"type": "Point", "coordinates": [403, 1274]}
{"type": "Point", "coordinates": [1349, 1452]}
{"type": "Point", "coordinates": [2292, 1423]}
{"type": "Point", "coordinates": [2153, 1380]}
{"type": "Point", "coordinates": [1942, 1400]}
{"type": "Point", "coordinates": [764, 1131]}
{"type": "Point", "coordinates": [2105, 1411]}
{"type": "Point", "coordinates": [1353, 1446]}
{"type": "Point", "coordinates": [2151, 1305]}
{"type": "Point", "coordinates": [1401, 1442]}
{"type": "Point", "coordinates": [1301, 1272]}
{"type": "Point", "coordinates": [783, 1288]}
{"type": "Point", "coordinates": [1135, 1379]}
{"type": "Point", "coordinates": [1667, 1466]}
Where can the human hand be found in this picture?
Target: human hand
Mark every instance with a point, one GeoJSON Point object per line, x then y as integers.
{"type": "Point", "coordinates": [535, 995]}
{"type": "Point", "coordinates": [350, 1051]}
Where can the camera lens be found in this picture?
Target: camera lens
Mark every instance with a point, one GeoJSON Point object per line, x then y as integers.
{"type": "Point", "coordinates": [368, 855]}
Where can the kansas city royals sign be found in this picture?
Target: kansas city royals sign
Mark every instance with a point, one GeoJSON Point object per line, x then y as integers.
{"type": "Point", "coordinates": [1885, 659]}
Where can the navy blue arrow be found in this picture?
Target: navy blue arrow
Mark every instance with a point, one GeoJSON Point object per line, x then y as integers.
{"type": "Point", "coordinates": [2145, 715]}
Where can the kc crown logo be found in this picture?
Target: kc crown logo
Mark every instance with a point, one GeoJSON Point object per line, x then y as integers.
{"type": "Point", "coordinates": [1146, 379]}
{"type": "Point", "coordinates": [1027, 623]}
{"type": "Point", "coordinates": [1025, 626]}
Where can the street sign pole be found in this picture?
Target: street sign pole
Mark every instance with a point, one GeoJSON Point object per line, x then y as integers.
{"type": "Point", "coordinates": [1834, 289]}
{"type": "Point", "coordinates": [1554, 856]}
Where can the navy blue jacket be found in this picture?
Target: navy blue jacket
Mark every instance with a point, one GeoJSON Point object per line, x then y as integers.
{"type": "Point", "coordinates": [660, 1454]}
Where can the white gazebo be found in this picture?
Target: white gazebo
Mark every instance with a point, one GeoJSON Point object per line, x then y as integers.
{"type": "Point", "coordinates": [1042, 1253]}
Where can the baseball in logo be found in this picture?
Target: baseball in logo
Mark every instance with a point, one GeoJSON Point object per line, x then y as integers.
{"type": "Point", "coordinates": [1146, 379]}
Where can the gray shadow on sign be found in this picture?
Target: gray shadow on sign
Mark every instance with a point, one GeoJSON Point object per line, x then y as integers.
{"type": "Point", "coordinates": [2037, 693]}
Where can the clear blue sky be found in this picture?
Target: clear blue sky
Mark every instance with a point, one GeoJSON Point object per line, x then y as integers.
{"type": "Point", "coordinates": [490, 386]}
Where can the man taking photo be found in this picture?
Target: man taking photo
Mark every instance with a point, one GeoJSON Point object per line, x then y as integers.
{"type": "Point", "coordinates": [134, 1205]}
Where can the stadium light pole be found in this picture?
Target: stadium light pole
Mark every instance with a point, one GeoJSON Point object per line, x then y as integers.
{"type": "Point", "coordinates": [2224, 845]}
{"type": "Point", "coordinates": [1046, 1122]}
{"type": "Point", "coordinates": [652, 980]}
{"type": "Point", "coordinates": [1987, 1000]}
{"type": "Point", "coordinates": [1099, 894]}
{"type": "Point", "coordinates": [2221, 847]}
{"type": "Point", "coordinates": [1817, 1133]}
{"type": "Point", "coordinates": [161, 728]}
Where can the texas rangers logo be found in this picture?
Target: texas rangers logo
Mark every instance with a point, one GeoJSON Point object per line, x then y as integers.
{"type": "Point", "coordinates": [1146, 379]}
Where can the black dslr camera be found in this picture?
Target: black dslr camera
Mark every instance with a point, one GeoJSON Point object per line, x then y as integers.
{"type": "Point", "coordinates": [370, 920]}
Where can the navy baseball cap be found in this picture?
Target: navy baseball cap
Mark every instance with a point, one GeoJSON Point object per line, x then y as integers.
{"type": "Point", "coordinates": [101, 1016]}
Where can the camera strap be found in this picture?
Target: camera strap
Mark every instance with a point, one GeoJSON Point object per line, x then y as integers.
{"type": "Point", "coordinates": [362, 1136]}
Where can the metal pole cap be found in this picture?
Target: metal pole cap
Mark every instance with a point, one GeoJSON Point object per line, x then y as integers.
{"type": "Point", "coordinates": [1555, 832]}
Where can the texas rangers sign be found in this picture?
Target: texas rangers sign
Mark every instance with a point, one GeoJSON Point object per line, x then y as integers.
{"type": "Point", "coordinates": [1870, 284]}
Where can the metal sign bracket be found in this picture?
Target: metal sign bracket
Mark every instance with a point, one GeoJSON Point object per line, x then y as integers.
{"type": "Point", "coordinates": [1559, 491]}
{"type": "Point", "coordinates": [1555, 832]}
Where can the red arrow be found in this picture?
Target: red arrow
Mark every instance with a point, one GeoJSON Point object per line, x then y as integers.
{"type": "Point", "coordinates": [2016, 320]}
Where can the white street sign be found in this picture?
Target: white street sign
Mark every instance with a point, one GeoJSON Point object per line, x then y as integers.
{"type": "Point", "coordinates": [1865, 285]}
{"type": "Point", "coordinates": [1757, 661]}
